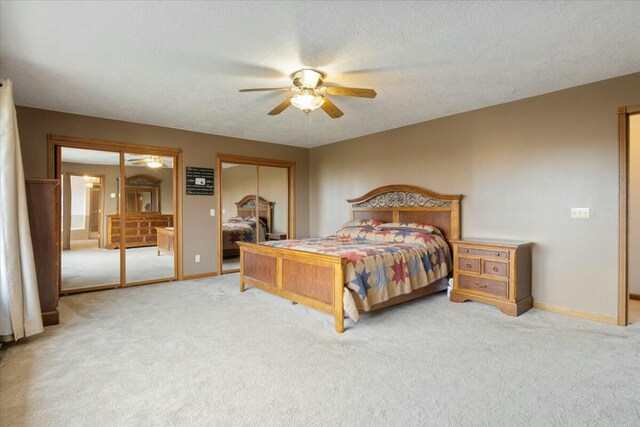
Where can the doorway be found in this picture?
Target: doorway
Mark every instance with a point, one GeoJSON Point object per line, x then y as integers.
{"type": "Point", "coordinates": [120, 213]}
{"type": "Point", "coordinates": [82, 209]}
{"type": "Point", "coordinates": [255, 204]}
{"type": "Point", "coordinates": [629, 246]}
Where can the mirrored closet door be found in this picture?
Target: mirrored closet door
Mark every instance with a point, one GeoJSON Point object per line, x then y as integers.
{"type": "Point", "coordinates": [89, 183]}
{"type": "Point", "coordinates": [149, 232]}
{"type": "Point", "coordinates": [255, 201]}
{"type": "Point", "coordinates": [239, 219]}
{"type": "Point", "coordinates": [273, 190]}
{"type": "Point", "coordinates": [119, 212]}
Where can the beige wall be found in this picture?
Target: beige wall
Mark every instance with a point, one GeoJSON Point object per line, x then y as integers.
{"type": "Point", "coordinates": [634, 205]}
{"type": "Point", "coordinates": [199, 150]}
{"type": "Point", "coordinates": [521, 166]}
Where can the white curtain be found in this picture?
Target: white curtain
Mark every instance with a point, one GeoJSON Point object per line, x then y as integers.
{"type": "Point", "coordinates": [19, 302]}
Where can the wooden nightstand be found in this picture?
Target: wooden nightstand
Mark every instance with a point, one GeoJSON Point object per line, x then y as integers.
{"type": "Point", "coordinates": [276, 236]}
{"type": "Point", "coordinates": [496, 272]}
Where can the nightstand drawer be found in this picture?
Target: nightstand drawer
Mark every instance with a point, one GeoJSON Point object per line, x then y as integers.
{"type": "Point", "coordinates": [486, 286]}
{"type": "Point", "coordinates": [469, 264]}
{"type": "Point", "coordinates": [483, 252]}
{"type": "Point", "coordinates": [494, 268]}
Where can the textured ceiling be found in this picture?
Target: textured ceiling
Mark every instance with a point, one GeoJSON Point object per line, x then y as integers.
{"type": "Point", "coordinates": [181, 64]}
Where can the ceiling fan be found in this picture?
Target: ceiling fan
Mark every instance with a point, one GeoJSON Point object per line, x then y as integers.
{"type": "Point", "coordinates": [309, 94]}
{"type": "Point", "coordinates": [151, 161]}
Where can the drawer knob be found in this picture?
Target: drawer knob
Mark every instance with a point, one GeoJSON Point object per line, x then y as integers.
{"type": "Point", "coordinates": [497, 253]}
{"type": "Point", "coordinates": [468, 265]}
{"type": "Point", "coordinates": [495, 269]}
{"type": "Point", "coordinates": [481, 285]}
{"type": "Point", "coordinates": [466, 251]}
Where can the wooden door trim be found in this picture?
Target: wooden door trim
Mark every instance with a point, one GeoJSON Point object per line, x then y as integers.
{"type": "Point", "coordinates": [623, 203]}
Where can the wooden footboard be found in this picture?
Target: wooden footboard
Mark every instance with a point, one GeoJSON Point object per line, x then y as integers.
{"type": "Point", "coordinates": [311, 279]}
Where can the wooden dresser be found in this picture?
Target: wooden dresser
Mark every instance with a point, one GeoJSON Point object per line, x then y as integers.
{"type": "Point", "coordinates": [140, 229]}
{"type": "Point", "coordinates": [166, 240]}
{"type": "Point", "coordinates": [496, 272]}
{"type": "Point", "coordinates": [43, 200]}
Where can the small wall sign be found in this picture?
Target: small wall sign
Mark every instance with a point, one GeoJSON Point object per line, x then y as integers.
{"type": "Point", "coordinates": [199, 181]}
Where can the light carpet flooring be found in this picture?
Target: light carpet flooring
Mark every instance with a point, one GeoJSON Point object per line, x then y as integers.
{"type": "Point", "coordinates": [201, 353]}
{"type": "Point", "coordinates": [231, 263]}
{"type": "Point", "coordinates": [89, 266]}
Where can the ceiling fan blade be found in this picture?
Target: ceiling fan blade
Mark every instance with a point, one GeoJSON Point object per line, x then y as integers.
{"type": "Point", "coordinates": [331, 109]}
{"type": "Point", "coordinates": [351, 91]}
{"type": "Point", "coordinates": [265, 89]}
{"type": "Point", "coordinates": [281, 107]}
{"type": "Point", "coordinates": [139, 161]}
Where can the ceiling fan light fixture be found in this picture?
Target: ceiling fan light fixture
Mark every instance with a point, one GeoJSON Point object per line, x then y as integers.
{"type": "Point", "coordinates": [307, 101]}
{"type": "Point", "coordinates": [155, 163]}
{"type": "Point", "coordinates": [307, 79]}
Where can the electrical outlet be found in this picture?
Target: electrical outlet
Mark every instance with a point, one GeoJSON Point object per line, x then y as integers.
{"type": "Point", "coordinates": [580, 213]}
{"type": "Point", "coordinates": [197, 258]}
{"type": "Point", "coordinates": [213, 212]}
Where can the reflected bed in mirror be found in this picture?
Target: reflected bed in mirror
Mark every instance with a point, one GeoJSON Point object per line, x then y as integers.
{"type": "Point", "coordinates": [243, 227]}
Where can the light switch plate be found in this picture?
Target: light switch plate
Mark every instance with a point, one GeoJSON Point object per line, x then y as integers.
{"type": "Point", "coordinates": [197, 258]}
{"type": "Point", "coordinates": [580, 213]}
{"type": "Point", "coordinates": [213, 212]}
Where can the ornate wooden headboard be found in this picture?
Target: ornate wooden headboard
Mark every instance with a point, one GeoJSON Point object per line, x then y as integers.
{"type": "Point", "coordinates": [246, 207]}
{"type": "Point", "coordinates": [406, 203]}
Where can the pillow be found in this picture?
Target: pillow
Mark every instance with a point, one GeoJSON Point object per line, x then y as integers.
{"type": "Point", "coordinates": [398, 236]}
{"type": "Point", "coordinates": [362, 223]}
{"type": "Point", "coordinates": [354, 232]}
{"type": "Point", "coordinates": [253, 219]}
{"type": "Point", "coordinates": [235, 219]}
{"type": "Point", "coordinates": [409, 226]}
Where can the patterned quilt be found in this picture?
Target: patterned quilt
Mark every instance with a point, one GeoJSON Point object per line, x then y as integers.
{"type": "Point", "coordinates": [239, 230]}
{"type": "Point", "coordinates": [381, 264]}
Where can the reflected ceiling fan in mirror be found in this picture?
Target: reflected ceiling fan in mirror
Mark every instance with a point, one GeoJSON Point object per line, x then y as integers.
{"type": "Point", "coordinates": [309, 94]}
{"type": "Point", "coordinates": [153, 162]}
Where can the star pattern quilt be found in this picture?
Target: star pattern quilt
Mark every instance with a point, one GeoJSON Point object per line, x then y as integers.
{"type": "Point", "coordinates": [381, 264]}
{"type": "Point", "coordinates": [239, 230]}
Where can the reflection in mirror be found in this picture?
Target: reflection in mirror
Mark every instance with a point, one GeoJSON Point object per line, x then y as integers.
{"type": "Point", "coordinates": [274, 193]}
{"type": "Point", "coordinates": [143, 194]}
{"type": "Point", "coordinates": [238, 196]}
{"type": "Point", "coordinates": [89, 193]}
{"type": "Point", "coordinates": [148, 230]}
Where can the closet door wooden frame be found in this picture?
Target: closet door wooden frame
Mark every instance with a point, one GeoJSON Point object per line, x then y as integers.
{"type": "Point", "coordinates": [623, 197]}
{"type": "Point", "coordinates": [54, 145]}
{"type": "Point", "coordinates": [257, 162]}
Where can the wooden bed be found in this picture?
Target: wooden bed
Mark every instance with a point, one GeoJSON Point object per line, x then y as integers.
{"type": "Point", "coordinates": [317, 280]}
{"type": "Point", "coordinates": [246, 208]}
